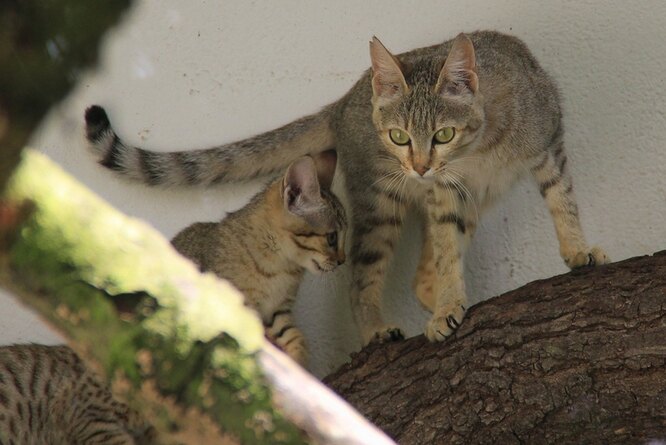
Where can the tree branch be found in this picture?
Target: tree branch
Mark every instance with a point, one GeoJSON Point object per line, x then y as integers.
{"type": "Point", "coordinates": [577, 358]}
{"type": "Point", "coordinates": [188, 333]}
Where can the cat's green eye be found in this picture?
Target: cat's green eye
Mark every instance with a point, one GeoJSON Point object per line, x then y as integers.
{"type": "Point", "coordinates": [399, 137]}
{"type": "Point", "coordinates": [444, 135]}
{"type": "Point", "coordinates": [332, 239]}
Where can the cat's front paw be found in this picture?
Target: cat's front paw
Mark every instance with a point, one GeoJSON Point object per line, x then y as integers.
{"type": "Point", "coordinates": [591, 257]}
{"type": "Point", "coordinates": [445, 322]}
{"type": "Point", "coordinates": [386, 334]}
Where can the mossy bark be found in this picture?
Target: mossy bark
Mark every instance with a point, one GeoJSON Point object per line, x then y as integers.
{"type": "Point", "coordinates": [82, 260]}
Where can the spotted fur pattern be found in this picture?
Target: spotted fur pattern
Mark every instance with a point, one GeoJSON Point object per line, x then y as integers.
{"type": "Point", "coordinates": [265, 248]}
{"type": "Point", "coordinates": [505, 113]}
{"type": "Point", "coordinates": [47, 396]}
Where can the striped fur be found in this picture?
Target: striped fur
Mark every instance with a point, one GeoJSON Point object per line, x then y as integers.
{"type": "Point", "coordinates": [266, 154]}
{"type": "Point", "coordinates": [47, 396]}
{"type": "Point", "coordinates": [505, 114]}
{"type": "Point", "coordinates": [264, 248]}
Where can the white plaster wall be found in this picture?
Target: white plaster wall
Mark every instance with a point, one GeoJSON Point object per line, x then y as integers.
{"type": "Point", "coordinates": [189, 74]}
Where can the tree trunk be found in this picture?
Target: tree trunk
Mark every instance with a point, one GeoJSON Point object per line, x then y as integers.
{"type": "Point", "coordinates": [577, 358]}
{"type": "Point", "coordinates": [44, 46]}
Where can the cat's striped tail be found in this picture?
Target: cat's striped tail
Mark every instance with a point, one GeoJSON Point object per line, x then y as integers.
{"type": "Point", "coordinates": [265, 154]}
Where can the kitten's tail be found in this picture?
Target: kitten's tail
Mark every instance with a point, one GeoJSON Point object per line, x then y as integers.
{"type": "Point", "coordinates": [265, 154]}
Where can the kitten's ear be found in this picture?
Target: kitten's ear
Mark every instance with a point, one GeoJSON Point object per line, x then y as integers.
{"type": "Point", "coordinates": [458, 75]}
{"type": "Point", "coordinates": [388, 81]}
{"type": "Point", "coordinates": [300, 186]}
{"type": "Point", "coordinates": [325, 162]}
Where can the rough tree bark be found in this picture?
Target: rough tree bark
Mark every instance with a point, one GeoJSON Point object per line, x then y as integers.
{"type": "Point", "coordinates": [577, 358]}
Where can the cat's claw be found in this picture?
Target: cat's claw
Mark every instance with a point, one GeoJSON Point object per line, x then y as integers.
{"type": "Point", "coordinates": [445, 323]}
{"type": "Point", "coordinates": [387, 334]}
{"type": "Point", "coordinates": [592, 257]}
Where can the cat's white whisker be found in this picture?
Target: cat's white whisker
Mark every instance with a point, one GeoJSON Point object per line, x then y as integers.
{"type": "Point", "coordinates": [458, 182]}
{"type": "Point", "coordinates": [394, 187]}
{"type": "Point", "coordinates": [386, 176]}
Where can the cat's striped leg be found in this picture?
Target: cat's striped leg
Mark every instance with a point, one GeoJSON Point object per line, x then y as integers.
{"type": "Point", "coordinates": [426, 274]}
{"type": "Point", "coordinates": [282, 332]}
{"type": "Point", "coordinates": [447, 232]}
{"type": "Point", "coordinates": [424, 279]}
{"type": "Point", "coordinates": [375, 231]}
{"type": "Point", "coordinates": [556, 187]}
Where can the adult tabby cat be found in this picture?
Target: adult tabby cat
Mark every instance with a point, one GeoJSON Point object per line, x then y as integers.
{"type": "Point", "coordinates": [263, 249]}
{"type": "Point", "coordinates": [443, 130]}
{"type": "Point", "coordinates": [48, 397]}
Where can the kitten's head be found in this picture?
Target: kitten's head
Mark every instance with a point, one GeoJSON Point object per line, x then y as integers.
{"type": "Point", "coordinates": [428, 114]}
{"type": "Point", "coordinates": [315, 217]}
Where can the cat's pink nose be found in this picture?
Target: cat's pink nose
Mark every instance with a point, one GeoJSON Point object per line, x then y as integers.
{"type": "Point", "coordinates": [421, 169]}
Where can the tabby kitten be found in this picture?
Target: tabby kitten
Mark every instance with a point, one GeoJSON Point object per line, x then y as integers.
{"type": "Point", "coordinates": [263, 249]}
{"type": "Point", "coordinates": [442, 130]}
{"type": "Point", "coordinates": [48, 397]}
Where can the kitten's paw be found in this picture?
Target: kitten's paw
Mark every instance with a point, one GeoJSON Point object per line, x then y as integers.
{"type": "Point", "coordinates": [386, 334]}
{"type": "Point", "coordinates": [445, 322]}
{"type": "Point", "coordinates": [297, 351]}
{"type": "Point", "coordinates": [299, 355]}
{"type": "Point", "coordinates": [291, 341]}
{"type": "Point", "coordinates": [592, 257]}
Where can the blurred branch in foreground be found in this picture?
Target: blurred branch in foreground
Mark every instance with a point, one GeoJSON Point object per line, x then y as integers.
{"type": "Point", "coordinates": [118, 289]}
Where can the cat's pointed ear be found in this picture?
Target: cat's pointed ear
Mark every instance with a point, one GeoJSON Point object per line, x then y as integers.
{"type": "Point", "coordinates": [301, 186]}
{"type": "Point", "coordinates": [458, 75]}
{"type": "Point", "coordinates": [325, 162]}
{"type": "Point", "coordinates": [388, 81]}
